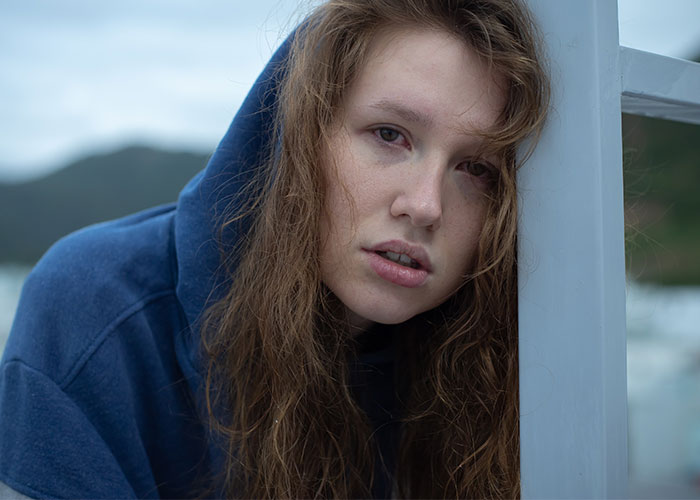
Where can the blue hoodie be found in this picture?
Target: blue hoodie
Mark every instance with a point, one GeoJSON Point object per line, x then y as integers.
{"type": "Point", "coordinates": [100, 382]}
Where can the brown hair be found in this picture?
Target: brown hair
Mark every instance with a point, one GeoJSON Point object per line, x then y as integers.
{"type": "Point", "coordinates": [278, 349]}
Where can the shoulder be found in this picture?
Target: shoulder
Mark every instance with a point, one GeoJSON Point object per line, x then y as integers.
{"type": "Point", "coordinates": [90, 379]}
{"type": "Point", "coordinates": [133, 249]}
{"type": "Point", "coordinates": [87, 283]}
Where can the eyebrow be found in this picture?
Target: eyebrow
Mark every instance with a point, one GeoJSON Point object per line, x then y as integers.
{"type": "Point", "coordinates": [403, 111]}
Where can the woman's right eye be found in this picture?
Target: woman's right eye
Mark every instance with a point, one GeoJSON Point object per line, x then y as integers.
{"type": "Point", "coordinates": [391, 136]}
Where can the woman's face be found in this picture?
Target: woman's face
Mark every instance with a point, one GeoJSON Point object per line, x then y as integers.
{"type": "Point", "coordinates": [405, 189]}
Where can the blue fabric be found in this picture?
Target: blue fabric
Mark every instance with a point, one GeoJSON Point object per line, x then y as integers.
{"type": "Point", "coordinates": [100, 380]}
{"type": "Point", "coordinates": [94, 396]}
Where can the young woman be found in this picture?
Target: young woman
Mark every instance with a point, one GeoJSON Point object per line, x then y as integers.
{"type": "Point", "coordinates": [329, 310]}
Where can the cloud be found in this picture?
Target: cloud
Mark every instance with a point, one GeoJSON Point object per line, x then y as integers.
{"type": "Point", "coordinates": [83, 74]}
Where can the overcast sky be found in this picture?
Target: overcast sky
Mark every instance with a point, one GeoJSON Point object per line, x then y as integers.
{"type": "Point", "coordinates": [82, 76]}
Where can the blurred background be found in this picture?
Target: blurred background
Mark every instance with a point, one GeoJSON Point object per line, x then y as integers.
{"type": "Point", "coordinates": [110, 107]}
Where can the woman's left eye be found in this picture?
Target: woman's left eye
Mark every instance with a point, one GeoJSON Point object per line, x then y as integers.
{"type": "Point", "coordinates": [388, 134]}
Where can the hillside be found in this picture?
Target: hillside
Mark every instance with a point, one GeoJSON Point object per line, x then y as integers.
{"type": "Point", "coordinates": [662, 200]}
{"type": "Point", "coordinates": [35, 214]}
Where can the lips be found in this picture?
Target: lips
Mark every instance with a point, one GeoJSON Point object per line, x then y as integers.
{"type": "Point", "coordinates": [390, 260]}
{"type": "Point", "coordinates": [414, 252]}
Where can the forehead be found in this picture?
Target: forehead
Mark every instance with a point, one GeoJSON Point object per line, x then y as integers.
{"type": "Point", "coordinates": [429, 76]}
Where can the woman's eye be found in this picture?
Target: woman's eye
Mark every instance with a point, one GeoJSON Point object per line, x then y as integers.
{"type": "Point", "coordinates": [388, 134]}
{"type": "Point", "coordinates": [478, 169]}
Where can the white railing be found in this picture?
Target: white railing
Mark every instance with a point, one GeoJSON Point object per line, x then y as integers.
{"type": "Point", "coordinates": [659, 86]}
{"type": "Point", "coordinates": [571, 249]}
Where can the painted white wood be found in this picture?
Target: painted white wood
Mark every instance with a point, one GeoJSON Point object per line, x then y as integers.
{"type": "Point", "coordinates": [660, 86]}
{"type": "Point", "coordinates": [572, 269]}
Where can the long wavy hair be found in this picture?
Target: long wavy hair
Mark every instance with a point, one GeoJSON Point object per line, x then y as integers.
{"type": "Point", "coordinates": [278, 345]}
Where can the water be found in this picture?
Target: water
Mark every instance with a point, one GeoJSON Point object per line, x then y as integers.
{"type": "Point", "coordinates": [663, 367]}
{"type": "Point", "coordinates": [663, 391]}
{"type": "Point", "coordinates": [11, 278]}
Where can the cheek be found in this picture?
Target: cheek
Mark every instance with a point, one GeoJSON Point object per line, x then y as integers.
{"type": "Point", "coordinates": [337, 219]}
{"type": "Point", "coordinates": [332, 233]}
{"type": "Point", "coordinates": [354, 194]}
{"type": "Point", "coordinates": [463, 235]}
{"type": "Point", "coordinates": [336, 202]}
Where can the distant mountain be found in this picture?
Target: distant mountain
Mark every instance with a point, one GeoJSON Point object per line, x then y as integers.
{"type": "Point", "coordinates": [36, 213]}
{"type": "Point", "coordinates": [662, 200]}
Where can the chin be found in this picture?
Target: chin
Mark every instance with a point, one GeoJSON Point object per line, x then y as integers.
{"type": "Point", "coordinates": [386, 314]}
{"type": "Point", "coordinates": [367, 305]}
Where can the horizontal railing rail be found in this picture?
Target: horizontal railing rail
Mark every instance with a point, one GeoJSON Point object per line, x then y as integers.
{"type": "Point", "coordinates": [659, 86]}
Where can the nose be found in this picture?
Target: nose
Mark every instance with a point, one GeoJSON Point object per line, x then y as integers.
{"type": "Point", "coordinates": [420, 198]}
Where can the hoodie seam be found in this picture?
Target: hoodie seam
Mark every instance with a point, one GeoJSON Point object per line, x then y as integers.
{"type": "Point", "coordinates": [103, 334]}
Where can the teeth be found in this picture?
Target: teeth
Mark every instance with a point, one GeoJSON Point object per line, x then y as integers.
{"type": "Point", "coordinates": [405, 260]}
{"type": "Point", "coordinates": [393, 256]}
{"type": "Point", "coordinates": [400, 258]}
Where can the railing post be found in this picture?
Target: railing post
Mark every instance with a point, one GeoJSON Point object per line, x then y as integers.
{"type": "Point", "coordinates": [572, 268]}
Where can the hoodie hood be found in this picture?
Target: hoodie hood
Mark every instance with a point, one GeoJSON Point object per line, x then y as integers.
{"type": "Point", "coordinates": [199, 215]}
{"type": "Point", "coordinates": [216, 191]}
